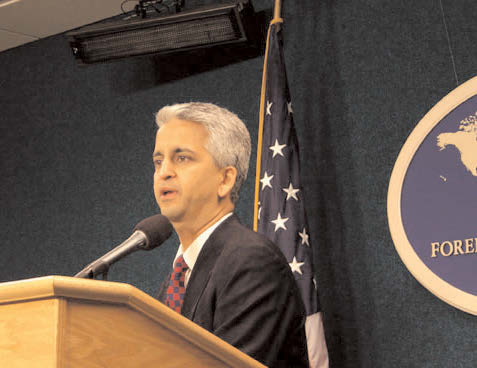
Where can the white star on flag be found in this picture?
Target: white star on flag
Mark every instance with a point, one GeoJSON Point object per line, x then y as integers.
{"type": "Point", "coordinates": [289, 107]}
{"type": "Point", "coordinates": [269, 107]}
{"type": "Point", "coordinates": [280, 222]}
{"type": "Point", "coordinates": [291, 192]}
{"type": "Point", "coordinates": [295, 266]}
{"type": "Point", "coordinates": [266, 181]}
{"type": "Point", "coordinates": [277, 148]}
{"type": "Point", "coordinates": [304, 237]}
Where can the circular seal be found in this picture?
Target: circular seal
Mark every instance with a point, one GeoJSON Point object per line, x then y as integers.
{"type": "Point", "coordinates": [432, 199]}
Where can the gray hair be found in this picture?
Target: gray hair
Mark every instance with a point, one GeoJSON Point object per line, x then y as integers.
{"type": "Point", "coordinates": [229, 140]}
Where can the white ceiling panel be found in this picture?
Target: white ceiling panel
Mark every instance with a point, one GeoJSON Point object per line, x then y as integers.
{"type": "Point", "coordinates": [42, 18]}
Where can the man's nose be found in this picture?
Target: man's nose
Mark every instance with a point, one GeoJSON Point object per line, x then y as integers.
{"type": "Point", "coordinates": [166, 170]}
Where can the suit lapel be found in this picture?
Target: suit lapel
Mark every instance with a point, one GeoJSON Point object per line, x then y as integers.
{"type": "Point", "coordinates": [203, 268]}
{"type": "Point", "coordinates": [163, 289]}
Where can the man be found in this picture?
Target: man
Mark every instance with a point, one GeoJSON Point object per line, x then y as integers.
{"type": "Point", "coordinates": [237, 283]}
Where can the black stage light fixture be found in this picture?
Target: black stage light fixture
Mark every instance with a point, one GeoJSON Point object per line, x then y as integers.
{"type": "Point", "coordinates": [187, 30]}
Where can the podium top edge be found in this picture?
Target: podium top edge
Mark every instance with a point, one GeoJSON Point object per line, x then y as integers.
{"type": "Point", "coordinates": [64, 286]}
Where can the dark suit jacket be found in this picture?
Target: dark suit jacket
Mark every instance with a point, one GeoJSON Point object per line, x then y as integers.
{"type": "Point", "coordinates": [242, 290]}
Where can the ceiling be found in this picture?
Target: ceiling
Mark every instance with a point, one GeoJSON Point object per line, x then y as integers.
{"type": "Point", "coordinates": [23, 21]}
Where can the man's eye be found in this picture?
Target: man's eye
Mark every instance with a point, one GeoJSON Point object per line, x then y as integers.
{"type": "Point", "coordinates": [157, 162]}
{"type": "Point", "coordinates": [182, 158]}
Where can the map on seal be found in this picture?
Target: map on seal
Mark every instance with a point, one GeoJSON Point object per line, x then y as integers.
{"type": "Point", "coordinates": [432, 199]}
{"type": "Point", "coordinates": [465, 140]}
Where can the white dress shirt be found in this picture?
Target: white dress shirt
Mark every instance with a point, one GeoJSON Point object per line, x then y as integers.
{"type": "Point", "coordinates": [192, 252]}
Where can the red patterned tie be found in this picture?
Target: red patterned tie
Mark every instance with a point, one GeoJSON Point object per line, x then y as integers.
{"type": "Point", "coordinates": [176, 289]}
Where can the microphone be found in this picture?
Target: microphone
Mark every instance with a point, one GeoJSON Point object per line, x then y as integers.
{"type": "Point", "coordinates": [149, 234]}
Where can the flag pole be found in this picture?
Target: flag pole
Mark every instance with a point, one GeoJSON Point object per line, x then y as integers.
{"type": "Point", "coordinates": [276, 19]}
{"type": "Point", "coordinates": [277, 10]}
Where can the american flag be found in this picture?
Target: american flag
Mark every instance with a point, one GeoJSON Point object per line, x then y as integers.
{"type": "Point", "coordinates": [279, 211]}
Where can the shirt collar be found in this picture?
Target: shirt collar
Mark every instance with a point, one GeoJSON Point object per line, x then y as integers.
{"type": "Point", "coordinates": [192, 252]}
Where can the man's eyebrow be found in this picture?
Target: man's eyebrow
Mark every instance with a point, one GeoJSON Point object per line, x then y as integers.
{"type": "Point", "coordinates": [180, 150]}
{"type": "Point", "coordinates": [177, 150]}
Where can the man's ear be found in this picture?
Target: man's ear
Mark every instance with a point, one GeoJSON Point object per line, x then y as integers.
{"type": "Point", "coordinates": [229, 175]}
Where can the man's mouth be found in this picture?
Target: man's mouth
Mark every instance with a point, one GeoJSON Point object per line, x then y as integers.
{"type": "Point", "coordinates": [167, 193]}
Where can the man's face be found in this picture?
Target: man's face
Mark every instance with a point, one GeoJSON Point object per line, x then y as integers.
{"type": "Point", "coordinates": [186, 179]}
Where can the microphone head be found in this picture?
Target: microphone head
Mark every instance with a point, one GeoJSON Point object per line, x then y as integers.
{"type": "Point", "coordinates": [157, 229]}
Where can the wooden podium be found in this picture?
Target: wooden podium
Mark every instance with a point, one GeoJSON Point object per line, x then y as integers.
{"type": "Point", "coordinates": [59, 321]}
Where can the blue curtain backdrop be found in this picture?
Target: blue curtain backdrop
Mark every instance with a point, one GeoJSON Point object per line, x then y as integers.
{"type": "Point", "coordinates": [76, 170]}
